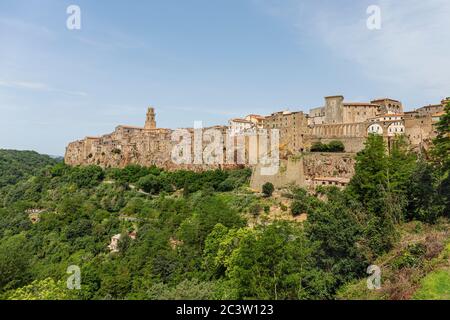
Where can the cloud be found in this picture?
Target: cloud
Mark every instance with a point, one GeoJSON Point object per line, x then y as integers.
{"type": "Point", "coordinates": [112, 40]}
{"type": "Point", "coordinates": [409, 51]}
{"type": "Point", "coordinates": [24, 27]}
{"type": "Point", "coordinates": [24, 85]}
{"type": "Point", "coordinates": [409, 54]}
{"type": "Point", "coordinates": [213, 111]}
{"type": "Point", "coordinates": [71, 93]}
{"type": "Point", "coordinates": [38, 86]}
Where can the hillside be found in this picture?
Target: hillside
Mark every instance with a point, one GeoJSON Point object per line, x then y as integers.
{"type": "Point", "coordinates": [15, 165]}
{"type": "Point", "coordinates": [147, 233]}
{"type": "Point", "coordinates": [418, 267]}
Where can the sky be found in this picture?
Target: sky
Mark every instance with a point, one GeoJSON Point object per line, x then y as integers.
{"type": "Point", "coordinates": [206, 60]}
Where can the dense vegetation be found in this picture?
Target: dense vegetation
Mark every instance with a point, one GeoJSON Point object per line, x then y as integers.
{"type": "Point", "coordinates": [333, 146]}
{"type": "Point", "coordinates": [15, 165]}
{"type": "Point", "coordinates": [207, 236]}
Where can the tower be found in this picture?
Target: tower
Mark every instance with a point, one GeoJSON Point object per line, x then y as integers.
{"type": "Point", "coordinates": [150, 122]}
{"type": "Point", "coordinates": [334, 109]}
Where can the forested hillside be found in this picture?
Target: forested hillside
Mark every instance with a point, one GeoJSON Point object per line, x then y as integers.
{"type": "Point", "coordinates": [15, 165]}
{"type": "Point", "coordinates": [187, 235]}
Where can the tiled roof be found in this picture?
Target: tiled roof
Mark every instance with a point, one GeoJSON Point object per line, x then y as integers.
{"type": "Point", "coordinates": [383, 99]}
{"type": "Point", "coordinates": [360, 104]}
{"type": "Point", "coordinates": [240, 120]}
{"type": "Point", "coordinates": [336, 179]}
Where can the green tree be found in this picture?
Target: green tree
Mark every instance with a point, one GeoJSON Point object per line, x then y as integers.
{"type": "Point", "coordinates": [441, 156]}
{"type": "Point", "coordinates": [152, 184]}
{"type": "Point", "coordinates": [18, 165]}
{"type": "Point", "coordinates": [47, 289]}
{"type": "Point", "coordinates": [441, 144]}
{"type": "Point", "coordinates": [371, 187]}
{"type": "Point", "coordinates": [333, 146]}
{"type": "Point", "coordinates": [277, 262]}
{"type": "Point", "coordinates": [338, 225]}
{"type": "Point", "coordinates": [298, 207]}
{"type": "Point", "coordinates": [15, 261]}
{"type": "Point", "coordinates": [336, 146]}
{"type": "Point", "coordinates": [371, 168]}
{"type": "Point", "coordinates": [424, 203]}
{"type": "Point", "coordinates": [319, 147]}
{"type": "Point", "coordinates": [268, 189]}
{"type": "Point", "coordinates": [401, 165]}
{"type": "Point", "coordinates": [255, 209]}
{"type": "Point", "coordinates": [212, 262]}
{"type": "Point", "coordinates": [87, 177]}
{"type": "Point", "coordinates": [189, 290]}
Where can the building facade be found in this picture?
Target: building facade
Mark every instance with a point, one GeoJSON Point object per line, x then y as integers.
{"type": "Point", "coordinates": [337, 119]}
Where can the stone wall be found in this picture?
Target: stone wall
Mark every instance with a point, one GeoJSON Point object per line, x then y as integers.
{"type": "Point", "coordinates": [290, 173]}
{"type": "Point", "coordinates": [147, 147]}
{"type": "Point", "coordinates": [293, 127]}
{"type": "Point", "coordinates": [420, 130]}
{"type": "Point", "coordinates": [334, 109]}
{"type": "Point", "coordinates": [303, 169]}
{"type": "Point", "coordinates": [124, 146]}
{"type": "Point", "coordinates": [359, 112]}
{"type": "Point", "coordinates": [328, 164]}
{"type": "Point", "coordinates": [337, 120]}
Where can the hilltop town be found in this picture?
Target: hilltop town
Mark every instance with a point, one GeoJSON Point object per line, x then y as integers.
{"type": "Point", "coordinates": [337, 120]}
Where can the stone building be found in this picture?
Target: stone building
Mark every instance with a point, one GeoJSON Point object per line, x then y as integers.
{"type": "Point", "coordinates": [336, 110]}
{"type": "Point", "coordinates": [146, 146]}
{"type": "Point", "coordinates": [150, 122]}
{"type": "Point", "coordinates": [293, 126]}
{"type": "Point", "coordinates": [351, 122]}
{"type": "Point", "coordinates": [337, 119]}
{"type": "Point", "coordinates": [420, 124]}
{"type": "Point", "coordinates": [256, 119]}
{"type": "Point", "coordinates": [239, 126]}
{"type": "Point", "coordinates": [388, 105]}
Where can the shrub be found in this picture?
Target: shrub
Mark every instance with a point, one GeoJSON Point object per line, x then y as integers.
{"type": "Point", "coordinates": [336, 146]}
{"type": "Point", "coordinates": [226, 185]}
{"type": "Point", "coordinates": [255, 209]}
{"type": "Point", "coordinates": [411, 257]}
{"type": "Point", "coordinates": [154, 184]}
{"type": "Point", "coordinates": [298, 207]}
{"type": "Point", "coordinates": [333, 146]}
{"type": "Point", "coordinates": [318, 147]}
{"type": "Point", "coordinates": [86, 177]}
{"type": "Point", "coordinates": [268, 189]}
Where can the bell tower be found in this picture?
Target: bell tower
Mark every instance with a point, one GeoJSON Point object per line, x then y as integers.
{"type": "Point", "coordinates": [150, 122]}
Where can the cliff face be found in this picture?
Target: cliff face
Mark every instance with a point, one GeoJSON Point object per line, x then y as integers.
{"type": "Point", "coordinates": [310, 170]}
{"type": "Point", "coordinates": [126, 145]}
{"type": "Point", "coordinates": [340, 165]}
{"type": "Point", "coordinates": [153, 146]}
{"type": "Point", "coordinates": [131, 145]}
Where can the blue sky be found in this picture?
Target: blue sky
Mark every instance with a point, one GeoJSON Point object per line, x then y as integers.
{"type": "Point", "coordinates": [206, 60]}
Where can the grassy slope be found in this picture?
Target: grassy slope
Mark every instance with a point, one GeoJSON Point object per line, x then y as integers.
{"type": "Point", "coordinates": [405, 276]}
{"type": "Point", "coordinates": [436, 285]}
